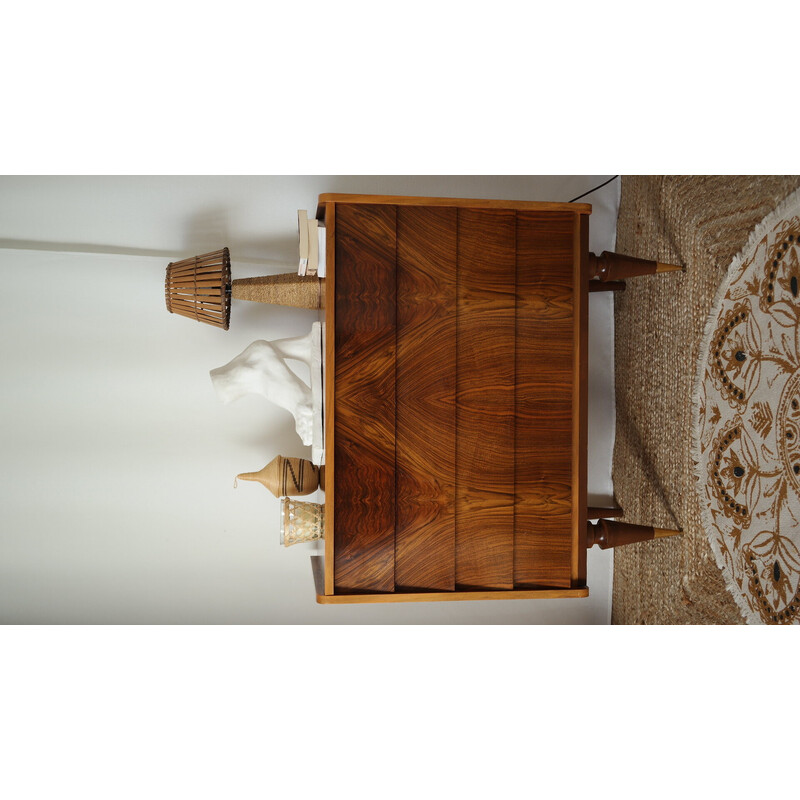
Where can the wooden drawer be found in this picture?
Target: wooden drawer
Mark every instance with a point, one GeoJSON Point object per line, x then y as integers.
{"type": "Point", "coordinates": [456, 414]}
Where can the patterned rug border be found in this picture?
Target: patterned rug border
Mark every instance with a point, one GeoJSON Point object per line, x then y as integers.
{"type": "Point", "coordinates": [758, 233]}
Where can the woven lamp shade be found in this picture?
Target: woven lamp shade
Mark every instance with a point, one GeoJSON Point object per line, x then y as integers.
{"type": "Point", "coordinates": [200, 288]}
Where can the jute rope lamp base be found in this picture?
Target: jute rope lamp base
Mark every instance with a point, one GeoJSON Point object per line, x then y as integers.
{"type": "Point", "coordinates": [201, 288]}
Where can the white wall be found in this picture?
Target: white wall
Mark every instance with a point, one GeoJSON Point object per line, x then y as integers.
{"type": "Point", "coordinates": [118, 459]}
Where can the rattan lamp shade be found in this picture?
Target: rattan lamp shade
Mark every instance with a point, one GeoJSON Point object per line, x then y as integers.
{"type": "Point", "coordinates": [200, 288]}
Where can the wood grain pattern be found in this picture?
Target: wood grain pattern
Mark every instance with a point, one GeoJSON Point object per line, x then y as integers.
{"type": "Point", "coordinates": [456, 405]}
{"type": "Point", "coordinates": [452, 202]}
{"type": "Point", "coordinates": [364, 417]}
{"type": "Point", "coordinates": [485, 399]}
{"type": "Point", "coordinates": [427, 597]}
{"type": "Point", "coordinates": [426, 416]}
{"type": "Point", "coordinates": [545, 376]}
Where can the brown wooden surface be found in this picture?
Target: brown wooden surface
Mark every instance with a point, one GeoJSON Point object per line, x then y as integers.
{"type": "Point", "coordinates": [455, 402]}
{"type": "Point", "coordinates": [618, 266]}
{"type": "Point", "coordinates": [609, 533]}
{"type": "Point", "coordinates": [364, 387]}
{"type": "Point", "coordinates": [454, 202]}
{"type": "Point", "coordinates": [580, 399]}
{"type": "Point", "coordinates": [606, 286]}
{"type": "Point", "coordinates": [328, 296]}
{"type": "Point", "coordinates": [426, 415]}
{"type": "Point", "coordinates": [601, 512]}
{"type": "Point", "coordinates": [485, 399]}
{"type": "Point", "coordinates": [544, 399]}
{"type": "Point", "coordinates": [428, 597]}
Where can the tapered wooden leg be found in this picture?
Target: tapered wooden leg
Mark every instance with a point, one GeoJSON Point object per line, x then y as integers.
{"type": "Point", "coordinates": [615, 266]}
{"type": "Point", "coordinates": [606, 286]}
{"type": "Point", "coordinates": [607, 533]}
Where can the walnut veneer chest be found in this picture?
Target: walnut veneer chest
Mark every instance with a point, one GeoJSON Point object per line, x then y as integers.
{"type": "Point", "coordinates": [456, 399]}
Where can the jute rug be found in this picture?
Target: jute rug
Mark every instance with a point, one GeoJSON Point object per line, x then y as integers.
{"type": "Point", "coordinates": [703, 222]}
{"type": "Point", "coordinates": [746, 436]}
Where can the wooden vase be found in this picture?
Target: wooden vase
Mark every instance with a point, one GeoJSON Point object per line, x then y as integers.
{"type": "Point", "coordinates": [286, 476]}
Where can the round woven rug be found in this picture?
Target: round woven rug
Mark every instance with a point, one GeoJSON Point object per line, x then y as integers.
{"type": "Point", "coordinates": [746, 432]}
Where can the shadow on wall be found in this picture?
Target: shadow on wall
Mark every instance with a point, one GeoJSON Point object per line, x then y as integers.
{"type": "Point", "coordinates": [210, 230]}
{"type": "Point", "coordinates": [207, 231]}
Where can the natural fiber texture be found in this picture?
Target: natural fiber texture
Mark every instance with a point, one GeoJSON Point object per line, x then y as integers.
{"type": "Point", "coordinates": [746, 433]}
{"type": "Point", "coordinates": [199, 288]}
{"type": "Point", "coordinates": [301, 521]}
{"type": "Point", "coordinates": [702, 222]}
{"type": "Point", "coordinates": [289, 289]}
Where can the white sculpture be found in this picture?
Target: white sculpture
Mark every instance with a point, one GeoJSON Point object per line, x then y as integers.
{"type": "Point", "coordinates": [261, 369]}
